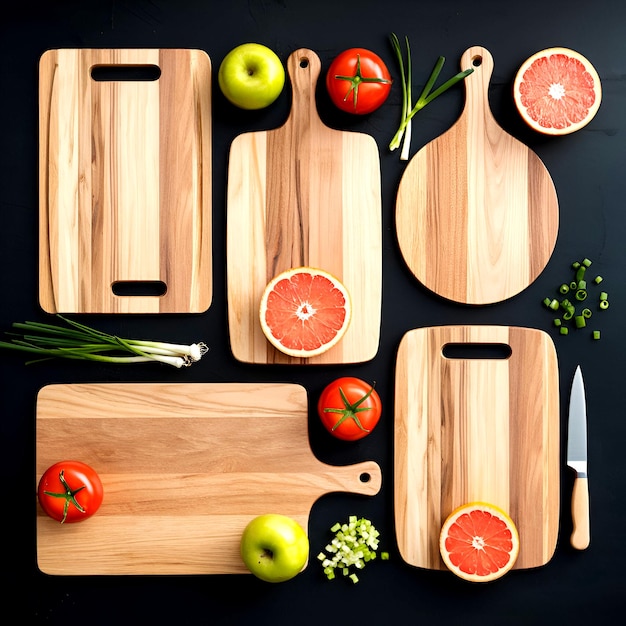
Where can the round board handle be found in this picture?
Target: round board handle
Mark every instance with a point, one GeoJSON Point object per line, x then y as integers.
{"type": "Point", "coordinates": [477, 83]}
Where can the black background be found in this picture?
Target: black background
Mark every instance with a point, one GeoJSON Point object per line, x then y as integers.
{"type": "Point", "coordinates": [589, 171]}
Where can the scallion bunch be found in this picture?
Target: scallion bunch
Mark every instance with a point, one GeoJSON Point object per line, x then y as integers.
{"type": "Point", "coordinates": [78, 341]}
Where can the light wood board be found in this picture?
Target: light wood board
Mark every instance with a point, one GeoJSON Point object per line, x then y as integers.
{"type": "Point", "coordinates": [476, 211]}
{"type": "Point", "coordinates": [184, 468]}
{"type": "Point", "coordinates": [125, 182]}
{"type": "Point", "coordinates": [304, 195]}
{"type": "Point", "coordinates": [476, 429]}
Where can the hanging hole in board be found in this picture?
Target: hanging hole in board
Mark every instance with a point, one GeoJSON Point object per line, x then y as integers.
{"type": "Point", "coordinates": [304, 63]}
{"type": "Point", "coordinates": [125, 73]}
{"type": "Point", "coordinates": [477, 61]}
{"type": "Point", "coordinates": [497, 351]}
{"type": "Point", "coordinates": [137, 288]}
{"type": "Point", "coordinates": [365, 477]}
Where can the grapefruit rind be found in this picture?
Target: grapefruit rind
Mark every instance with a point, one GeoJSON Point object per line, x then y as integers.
{"type": "Point", "coordinates": [527, 108]}
{"type": "Point", "coordinates": [297, 352]}
{"type": "Point", "coordinates": [496, 512]}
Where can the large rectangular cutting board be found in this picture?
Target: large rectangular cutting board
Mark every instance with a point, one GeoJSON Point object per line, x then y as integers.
{"type": "Point", "coordinates": [125, 181]}
{"type": "Point", "coordinates": [304, 194]}
{"type": "Point", "coordinates": [476, 429]}
{"type": "Point", "coordinates": [184, 468]}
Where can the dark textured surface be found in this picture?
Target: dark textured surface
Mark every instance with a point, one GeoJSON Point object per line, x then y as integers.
{"type": "Point", "coordinates": [588, 170]}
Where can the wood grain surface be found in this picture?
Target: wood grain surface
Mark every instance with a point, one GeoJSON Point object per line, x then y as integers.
{"type": "Point", "coordinates": [125, 182]}
{"type": "Point", "coordinates": [184, 468]}
{"type": "Point", "coordinates": [476, 212]}
{"type": "Point", "coordinates": [304, 195]}
{"type": "Point", "coordinates": [476, 429]}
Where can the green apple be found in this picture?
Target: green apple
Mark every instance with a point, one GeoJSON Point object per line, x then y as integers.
{"type": "Point", "coordinates": [274, 547]}
{"type": "Point", "coordinates": [251, 76]}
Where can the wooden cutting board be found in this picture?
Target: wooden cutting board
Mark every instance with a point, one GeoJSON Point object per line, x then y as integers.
{"type": "Point", "coordinates": [476, 211]}
{"type": "Point", "coordinates": [184, 468]}
{"type": "Point", "coordinates": [304, 194]}
{"type": "Point", "coordinates": [470, 429]}
{"type": "Point", "coordinates": [125, 181]}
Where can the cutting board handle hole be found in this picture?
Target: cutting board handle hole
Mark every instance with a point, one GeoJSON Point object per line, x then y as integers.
{"type": "Point", "coordinates": [500, 351]}
{"type": "Point", "coordinates": [304, 63]}
{"type": "Point", "coordinates": [365, 477]}
{"type": "Point", "coordinates": [477, 60]}
{"type": "Point", "coordinates": [139, 73]}
{"type": "Point", "coordinates": [135, 288]}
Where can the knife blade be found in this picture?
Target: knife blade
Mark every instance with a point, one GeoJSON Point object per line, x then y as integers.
{"type": "Point", "coordinates": [577, 460]}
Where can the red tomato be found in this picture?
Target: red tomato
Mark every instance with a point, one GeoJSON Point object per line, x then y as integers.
{"type": "Point", "coordinates": [349, 408]}
{"type": "Point", "coordinates": [358, 81]}
{"type": "Point", "coordinates": [70, 491]}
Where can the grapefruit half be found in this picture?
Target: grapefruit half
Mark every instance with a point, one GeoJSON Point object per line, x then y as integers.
{"type": "Point", "coordinates": [557, 91]}
{"type": "Point", "coordinates": [479, 542]}
{"type": "Point", "coordinates": [305, 311]}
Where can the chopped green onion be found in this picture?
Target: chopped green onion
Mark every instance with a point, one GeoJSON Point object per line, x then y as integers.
{"type": "Point", "coordinates": [426, 97]}
{"type": "Point", "coordinates": [81, 342]}
{"type": "Point", "coordinates": [596, 334]}
{"type": "Point", "coordinates": [580, 288]}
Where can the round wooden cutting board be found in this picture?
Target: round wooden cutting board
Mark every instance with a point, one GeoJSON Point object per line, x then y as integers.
{"type": "Point", "coordinates": [477, 213]}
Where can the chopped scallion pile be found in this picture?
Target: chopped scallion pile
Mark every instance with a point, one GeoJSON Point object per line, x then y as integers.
{"type": "Point", "coordinates": [577, 289]}
{"type": "Point", "coordinates": [354, 545]}
{"type": "Point", "coordinates": [78, 341]}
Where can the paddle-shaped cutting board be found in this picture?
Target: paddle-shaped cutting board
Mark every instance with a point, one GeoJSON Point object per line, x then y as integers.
{"type": "Point", "coordinates": [476, 210]}
{"type": "Point", "coordinates": [304, 194]}
{"type": "Point", "coordinates": [184, 468]}
{"type": "Point", "coordinates": [125, 181]}
{"type": "Point", "coordinates": [469, 429]}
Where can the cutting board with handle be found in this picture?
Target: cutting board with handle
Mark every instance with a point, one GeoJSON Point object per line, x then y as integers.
{"type": "Point", "coordinates": [476, 419]}
{"type": "Point", "coordinates": [476, 210]}
{"type": "Point", "coordinates": [304, 194]}
{"type": "Point", "coordinates": [125, 181]}
{"type": "Point", "coordinates": [184, 468]}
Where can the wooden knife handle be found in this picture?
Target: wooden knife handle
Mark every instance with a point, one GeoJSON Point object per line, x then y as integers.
{"type": "Point", "coordinates": [580, 514]}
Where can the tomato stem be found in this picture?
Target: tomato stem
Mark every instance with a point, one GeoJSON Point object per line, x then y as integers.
{"type": "Point", "coordinates": [350, 410]}
{"type": "Point", "coordinates": [69, 494]}
{"type": "Point", "coordinates": [356, 80]}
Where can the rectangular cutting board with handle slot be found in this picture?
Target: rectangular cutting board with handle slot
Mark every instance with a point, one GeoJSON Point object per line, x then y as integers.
{"type": "Point", "coordinates": [125, 181]}
{"type": "Point", "coordinates": [184, 468]}
{"type": "Point", "coordinates": [472, 424]}
{"type": "Point", "coordinates": [304, 194]}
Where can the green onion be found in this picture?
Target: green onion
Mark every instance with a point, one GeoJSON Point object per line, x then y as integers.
{"type": "Point", "coordinates": [81, 342]}
{"type": "Point", "coordinates": [426, 96]}
{"type": "Point", "coordinates": [353, 546]}
{"type": "Point", "coordinates": [580, 288]}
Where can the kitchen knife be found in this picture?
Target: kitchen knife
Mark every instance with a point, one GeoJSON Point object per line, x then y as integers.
{"type": "Point", "coordinates": [577, 460]}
